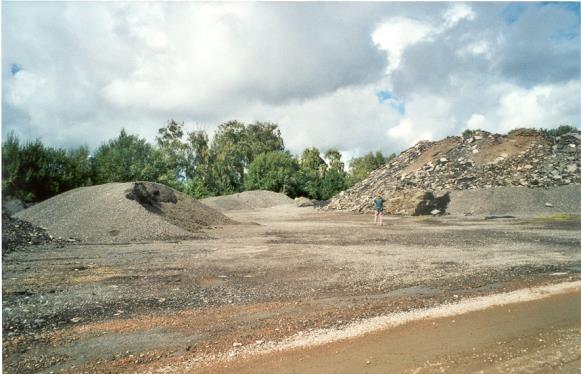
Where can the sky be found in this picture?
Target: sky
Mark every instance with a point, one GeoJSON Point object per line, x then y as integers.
{"type": "Point", "coordinates": [357, 77]}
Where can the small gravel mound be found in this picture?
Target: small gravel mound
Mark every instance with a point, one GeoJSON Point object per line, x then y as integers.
{"type": "Point", "coordinates": [123, 212]}
{"type": "Point", "coordinates": [248, 200]}
{"type": "Point", "coordinates": [17, 233]}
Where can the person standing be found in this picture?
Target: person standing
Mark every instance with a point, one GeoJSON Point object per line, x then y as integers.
{"type": "Point", "coordinates": [378, 219]}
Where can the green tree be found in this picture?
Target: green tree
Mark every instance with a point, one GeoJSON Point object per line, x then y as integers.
{"type": "Point", "coordinates": [78, 169]}
{"type": "Point", "coordinates": [234, 147]}
{"type": "Point", "coordinates": [333, 157]}
{"type": "Point", "coordinates": [335, 178]}
{"type": "Point", "coordinates": [34, 172]}
{"type": "Point", "coordinates": [332, 183]}
{"type": "Point", "coordinates": [201, 182]}
{"type": "Point", "coordinates": [262, 137]}
{"type": "Point", "coordinates": [12, 172]}
{"type": "Point", "coordinates": [360, 167]}
{"type": "Point", "coordinates": [229, 152]}
{"type": "Point", "coordinates": [273, 171]}
{"type": "Point", "coordinates": [128, 158]}
{"type": "Point", "coordinates": [312, 172]}
{"type": "Point", "coordinates": [174, 154]}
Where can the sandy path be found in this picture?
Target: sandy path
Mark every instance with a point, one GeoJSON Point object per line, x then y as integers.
{"type": "Point", "coordinates": [542, 335]}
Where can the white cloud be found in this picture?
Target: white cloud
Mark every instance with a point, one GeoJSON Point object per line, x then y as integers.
{"type": "Point", "coordinates": [544, 106]}
{"type": "Point", "coordinates": [350, 119]}
{"type": "Point", "coordinates": [427, 117]}
{"type": "Point", "coordinates": [395, 34]}
{"type": "Point", "coordinates": [477, 121]}
{"type": "Point", "coordinates": [315, 68]}
{"type": "Point", "coordinates": [22, 89]}
{"type": "Point", "coordinates": [456, 13]}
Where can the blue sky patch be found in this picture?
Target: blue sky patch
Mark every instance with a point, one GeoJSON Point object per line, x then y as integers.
{"type": "Point", "coordinates": [15, 68]}
{"type": "Point", "coordinates": [511, 13]}
{"type": "Point", "coordinates": [384, 95]}
{"type": "Point", "coordinates": [392, 100]}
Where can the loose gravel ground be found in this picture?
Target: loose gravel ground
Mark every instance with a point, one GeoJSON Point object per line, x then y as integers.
{"type": "Point", "coordinates": [516, 201]}
{"type": "Point", "coordinates": [144, 306]}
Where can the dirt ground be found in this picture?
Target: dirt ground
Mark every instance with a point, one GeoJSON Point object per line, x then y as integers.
{"type": "Point", "coordinates": [193, 305]}
{"type": "Point", "coordinates": [540, 336]}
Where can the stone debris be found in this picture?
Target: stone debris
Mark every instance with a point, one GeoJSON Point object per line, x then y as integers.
{"type": "Point", "coordinates": [419, 179]}
{"type": "Point", "coordinates": [302, 202]}
{"type": "Point", "coordinates": [17, 233]}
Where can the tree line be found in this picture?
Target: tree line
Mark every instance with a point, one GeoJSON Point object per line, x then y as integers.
{"type": "Point", "coordinates": [239, 157]}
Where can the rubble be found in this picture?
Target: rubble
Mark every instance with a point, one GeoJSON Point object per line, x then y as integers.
{"type": "Point", "coordinates": [302, 202]}
{"type": "Point", "coordinates": [17, 233]}
{"type": "Point", "coordinates": [413, 181]}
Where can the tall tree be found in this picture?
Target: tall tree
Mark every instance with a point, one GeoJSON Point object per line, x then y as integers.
{"type": "Point", "coordinates": [201, 182]}
{"type": "Point", "coordinates": [334, 179]}
{"type": "Point", "coordinates": [273, 171]}
{"type": "Point", "coordinates": [127, 158]}
{"type": "Point", "coordinates": [235, 146]}
{"type": "Point", "coordinates": [34, 172]}
{"type": "Point", "coordinates": [262, 137]}
{"type": "Point", "coordinates": [175, 153]}
{"type": "Point", "coordinates": [312, 171]}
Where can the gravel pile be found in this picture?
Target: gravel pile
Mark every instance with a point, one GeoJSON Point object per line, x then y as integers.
{"type": "Point", "coordinates": [17, 233]}
{"type": "Point", "coordinates": [248, 200]}
{"type": "Point", "coordinates": [429, 171]}
{"type": "Point", "coordinates": [123, 212]}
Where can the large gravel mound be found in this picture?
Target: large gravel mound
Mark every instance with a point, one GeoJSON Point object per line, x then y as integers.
{"type": "Point", "coordinates": [248, 200]}
{"type": "Point", "coordinates": [516, 201]}
{"type": "Point", "coordinates": [123, 212]}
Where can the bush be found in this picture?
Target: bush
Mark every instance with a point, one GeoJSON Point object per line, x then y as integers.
{"type": "Point", "coordinates": [469, 133]}
{"type": "Point", "coordinates": [33, 172]}
{"type": "Point", "coordinates": [561, 130]}
{"type": "Point", "coordinates": [273, 171]}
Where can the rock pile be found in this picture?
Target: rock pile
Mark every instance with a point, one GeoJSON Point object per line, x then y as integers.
{"type": "Point", "coordinates": [524, 158]}
{"type": "Point", "coordinates": [17, 233]}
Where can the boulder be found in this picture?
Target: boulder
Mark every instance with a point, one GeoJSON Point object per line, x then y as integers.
{"type": "Point", "coordinates": [303, 202]}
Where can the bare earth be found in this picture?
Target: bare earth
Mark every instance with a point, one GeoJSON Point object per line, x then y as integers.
{"type": "Point", "coordinates": [536, 336]}
{"type": "Point", "coordinates": [207, 304]}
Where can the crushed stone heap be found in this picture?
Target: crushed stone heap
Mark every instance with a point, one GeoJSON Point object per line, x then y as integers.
{"type": "Point", "coordinates": [248, 200]}
{"type": "Point", "coordinates": [123, 212]}
{"type": "Point", "coordinates": [17, 233]}
{"type": "Point", "coordinates": [422, 178]}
